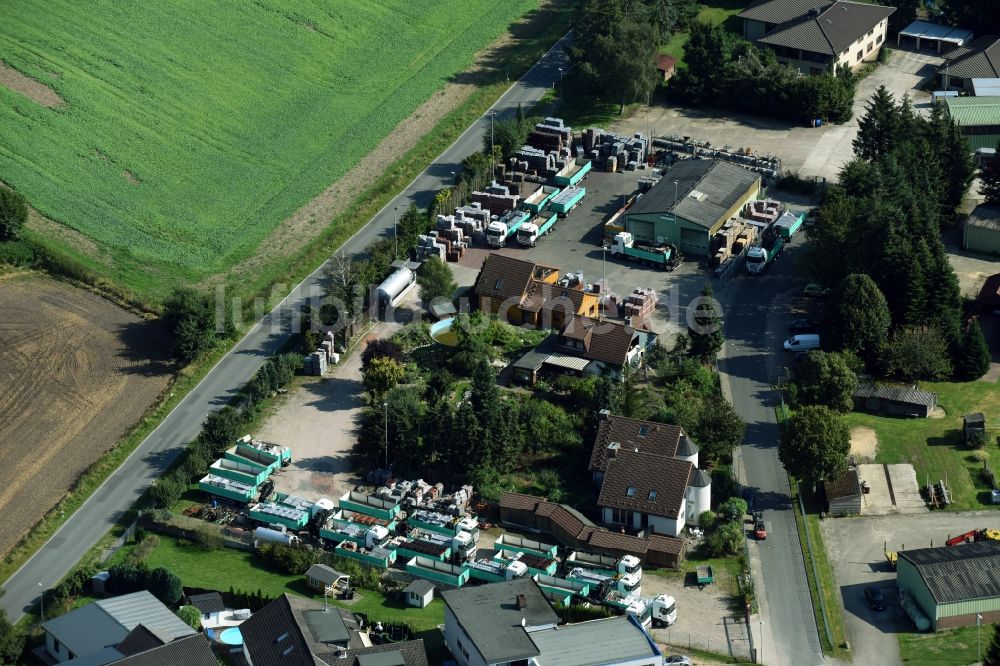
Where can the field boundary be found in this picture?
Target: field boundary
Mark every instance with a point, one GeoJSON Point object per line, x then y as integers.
{"type": "Point", "coordinates": [358, 214]}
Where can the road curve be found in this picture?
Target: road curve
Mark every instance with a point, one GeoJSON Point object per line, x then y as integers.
{"type": "Point", "coordinates": [155, 454]}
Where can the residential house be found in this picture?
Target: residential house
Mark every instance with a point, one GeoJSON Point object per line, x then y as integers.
{"type": "Point", "coordinates": [419, 593]}
{"type": "Point", "coordinates": [585, 346]}
{"type": "Point", "coordinates": [146, 648]}
{"type": "Point", "coordinates": [93, 631]}
{"type": "Point", "coordinates": [522, 292]}
{"type": "Point", "coordinates": [978, 59]}
{"type": "Point", "coordinates": [648, 476]}
{"type": "Point", "coordinates": [576, 532]}
{"type": "Point", "coordinates": [294, 631]}
{"type": "Point", "coordinates": [817, 36]}
{"type": "Point", "coordinates": [690, 203]}
{"type": "Point", "coordinates": [513, 624]}
{"type": "Point", "coordinates": [486, 625]}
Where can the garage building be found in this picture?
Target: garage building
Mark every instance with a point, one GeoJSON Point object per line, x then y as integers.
{"type": "Point", "coordinates": [978, 118]}
{"type": "Point", "coordinates": [691, 202]}
{"type": "Point", "coordinates": [953, 584]}
{"type": "Point", "coordinates": [981, 232]}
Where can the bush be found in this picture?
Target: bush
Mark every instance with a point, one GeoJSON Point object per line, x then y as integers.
{"type": "Point", "coordinates": [191, 616]}
{"type": "Point", "coordinates": [726, 540]}
{"type": "Point", "coordinates": [796, 184]}
{"type": "Point", "coordinates": [979, 440]}
{"type": "Point", "coordinates": [733, 508]}
{"type": "Point", "coordinates": [144, 548]}
{"type": "Point", "coordinates": [208, 538]}
{"type": "Point", "coordinates": [550, 483]}
{"type": "Point", "coordinates": [707, 520]}
{"type": "Point", "coordinates": [288, 559]}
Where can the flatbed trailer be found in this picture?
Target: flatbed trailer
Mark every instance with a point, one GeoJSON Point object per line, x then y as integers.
{"type": "Point", "coordinates": [567, 200]}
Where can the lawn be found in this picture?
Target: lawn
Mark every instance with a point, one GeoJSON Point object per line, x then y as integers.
{"type": "Point", "coordinates": [718, 12]}
{"type": "Point", "coordinates": [943, 648]}
{"type": "Point", "coordinates": [188, 131]}
{"type": "Point", "coordinates": [935, 446]}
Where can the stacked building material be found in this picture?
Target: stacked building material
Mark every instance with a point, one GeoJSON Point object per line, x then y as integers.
{"type": "Point", "coordinates": [316, 363]}
{"type": "Point", "coordinates": [532, 160]}
{"type": "Point", "coordinates": [473, 212]}
{"type": "Point", "coordinates": [428, 246]}
{"type": "Point", "coordinates": [764, 211]}
{"type": "Point", "coordinates": [544, 140]}
{"type": "Point", "coordinates": [646, 183]}
{"type": "Point", "coordinates": [640, 303]}
{"type": "Point", "coordinates": [616, 153]}
{"type": "Point", "coordinates": [555, 126]}
{"type": "Point", "coordinates": [591, 139]}
{"type": "Point", "coordinates": [768, 166]}
{"type": "Point", "coordinates": [497, 199]}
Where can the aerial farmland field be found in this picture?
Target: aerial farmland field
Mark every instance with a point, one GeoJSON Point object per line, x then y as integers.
{"type": "Point", "coordinates": [178, 135]}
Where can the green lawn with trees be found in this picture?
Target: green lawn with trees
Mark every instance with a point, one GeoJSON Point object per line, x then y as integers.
{"type": "Point", "coordinates": [715, 12]}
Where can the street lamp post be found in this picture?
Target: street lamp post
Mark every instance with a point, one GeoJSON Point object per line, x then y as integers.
{"type": "Point", "coordinates": [395, 232]}
{"type": "Point", "coordinates": [762, 640]}
{"type": "Point", "coordinates": [979, 643]}
{"type": "Point", "coordinates": [604, 281]}
{"type": "Point", "coordinates": [41, 601]}
{"type": "Point", "coordinates": [385, 407]}
{"type": "Point", "coordinates": [560, 82]}
{"type": "Point", "coordinates": [493, 115]}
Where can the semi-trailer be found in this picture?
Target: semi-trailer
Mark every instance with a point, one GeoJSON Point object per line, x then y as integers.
{"type": "Point", "coordinates": [567, 200]}
{"type": "Point", "coordinates": [625, 245]}
{"type": "Point", "coordinates": [572, 173]}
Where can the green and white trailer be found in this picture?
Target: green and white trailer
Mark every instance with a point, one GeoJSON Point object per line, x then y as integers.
{"type": "Point", "coordinates": [562, 586]}
{"type": "Point", "coordinates": [572, 173]}
{"type": "Point", "coordinates": [431, 550]}
{"type": "Point", "coordinates": [275, 513]}
{"type": "Point", "coordinates": [227, 488]}
{"type": "Point", "coordinates": [382, 558]}
{"type": "Point", "coordinates": [243, 472]}
{"type": "Point", "coordinates": [444, 524]}
{"type": "Point", "coordinates": [789, 224]}
{"type": "Point", "coordinates": [529, 232]}
{"type": "Point", "coordinates": [282, 454]}
{"type": "Point", "coordinates": [567, 200]}
{"type": "Point", "coordinates": [536, 565]}
{"type": "Point", "coordinates": [520, 544]}
{"type": "Point", "coordinates": [440, 572]}
{"type": "Point", "coordinates": [625, 245]}
{"type": "Point", "coordinates": [491, 571]}
{"type": "Point", "coordinates": [539, 199]}
{"type": "Point", "coordinates": [369, 505]}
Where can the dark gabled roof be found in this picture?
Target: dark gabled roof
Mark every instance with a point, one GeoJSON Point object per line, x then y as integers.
{"type": "Point", "coordinates": [491, 619]}
{"type": "Point", "coordinates": [503, 277]}
{"type": "Point", "coordinates": [986, 217]}
{"type": "Point", "coordinates": [605, 341]}
{"type": "Point", "coordinates": [658, 438]}
{"type": "Point", "coordinates": [699, 478]}
{"type": "Point", "coordinates": [958, 573]}
{"type": "Point", "coordinates": [193, 650]}
{"type": "Point", "coordinates": [645, 482]}
{"type": "Point", "coordinates": [519, 501]}
{"type": "Point", "coordinates": [831, 31]}
{"type": "Point", "coordinates": [980, 58]}
{"type": "Point", "coordinates": [324, 574]}
{"type": "Point", "coordinates": [210, 602]}
{"type": "Point", "coordinates": [845, 485]}
{"type": "Point", "coordinates": [410, 653]}
{"type": "Point", "coordinates": [990, 293]}
{"type": "Point", "coordinates": [604, 539]}
{"type": "Point", "coordinates": [305, 628]}
{"type": "Point", "coordinates": [780, 11]}
{"type": "Point", "coordinates": [420, 586]}
{"type": "Point", "coordinates": [662, 543]}
{"type": "Point", "coordinates": [706, 190]}
{"type": "Point", "coordinates": [906, 394]}
{"type": "Point", "coordinates": [141, 639]}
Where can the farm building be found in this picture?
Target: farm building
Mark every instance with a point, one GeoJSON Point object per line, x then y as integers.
{"type": "Point", "coordinates": [691, 202]}
{"type": "Point", "coordinates": [843, 494]}
{"type": "Point", "coordinates": [977, 59]}
{"type": "Point", "coordinates": [952, 584]}
{"type": "Point", "coordinates": [981, 231]}
{"type": "Point", "coordinates": [983, 87]}
{"type": "Point", "coordinates": [977, 117]}
{"type": "Point", "coordinates": [817, 37]}
{"type": "Point", "coordinates": [419, 593]}
{"type": "Point", "coordinates": [891, 400]}
{"type": "Point", "coordinates": [575, 531]}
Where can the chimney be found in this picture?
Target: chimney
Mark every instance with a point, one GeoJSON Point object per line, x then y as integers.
{"type": "Point", "coordinates": [522, 602]}
{"type": "Point", "coordinates": [604, 415]}
{"type": "Point", "coordinates": [613, 449]}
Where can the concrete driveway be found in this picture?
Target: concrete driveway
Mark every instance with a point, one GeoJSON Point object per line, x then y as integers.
{"type": "Point", "coordinates": [855, 548]}
{"type": "Point", "coordinates": [809, 151]}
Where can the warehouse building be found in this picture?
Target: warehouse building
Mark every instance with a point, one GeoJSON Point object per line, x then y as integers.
{"type": "Point", "coordinates": [978, 118]}
{"type": "Point", "coordinates": [691, 202]}
{"type": "Point", "coordinates": [981, 232]}
{"type": "Point", "coordinates": [953, 584]}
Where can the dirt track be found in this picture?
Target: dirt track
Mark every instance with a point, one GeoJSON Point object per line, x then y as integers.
{"type": "Point", "coordinates": [76, 372]}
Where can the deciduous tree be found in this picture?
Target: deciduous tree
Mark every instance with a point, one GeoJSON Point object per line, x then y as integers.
{"type": "Point", "coordinates": [825, 379]}
{"type": "Point", "coordinates": [380, 348]}
{"type": "Point", "coordinates": [381, 375]}
{"type": "Point", "coordinates": [191, 317]}
{"type": "Point", "coordinates": [436, 280]}
{"type": "Point", "coordinates": [13, 213]}
{"type": "Point", "coordinates": [814, 445]}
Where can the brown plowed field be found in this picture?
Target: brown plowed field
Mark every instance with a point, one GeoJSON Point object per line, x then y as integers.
{"type": "Point", "coordinates": [76, 372]}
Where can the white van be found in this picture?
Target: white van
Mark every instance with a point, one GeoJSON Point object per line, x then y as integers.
{"type": "Point", "coordinates": [804, 342]}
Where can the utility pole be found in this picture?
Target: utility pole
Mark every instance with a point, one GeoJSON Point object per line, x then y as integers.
{"type": "Point", "coordinates": [604, 281]}
{"type": "Point", "coordinates": [979, 642]}
{"type": "Point", "coordinates": [762, 640]}
{"type": "Point", "coordinates": [385, 407]}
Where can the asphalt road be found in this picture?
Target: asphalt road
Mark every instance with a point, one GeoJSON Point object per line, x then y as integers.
{"type": "Point", "coordinates": [755, 317]}
{"type": "Point", "coordinates": [99, 513]}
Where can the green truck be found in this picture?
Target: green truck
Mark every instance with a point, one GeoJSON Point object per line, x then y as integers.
{"type": "Point", "coordinates": [624, 245]}
{"type": "Point", "coordinates": [789, 224]}
{"type": "Point", "coordinates": [529, 232]}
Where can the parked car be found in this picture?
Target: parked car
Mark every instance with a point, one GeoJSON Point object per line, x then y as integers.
{"type": "Point", "coordinates": [875, 598]}
{"type": "Point", "coordinates": [800, 326]}
{"type": "Point", "coordinates": [816, 290]}
{"type": "Point", "coordinates": [803, 342]}
{"type": "Point", "coordinates": [677, 659]}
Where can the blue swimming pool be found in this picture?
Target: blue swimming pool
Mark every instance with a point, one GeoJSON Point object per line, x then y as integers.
{"type": "Point", "coordinates": [231, 636]}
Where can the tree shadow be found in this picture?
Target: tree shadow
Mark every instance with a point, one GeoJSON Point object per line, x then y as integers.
{"type": "Point", "coordinates": [147, 349]}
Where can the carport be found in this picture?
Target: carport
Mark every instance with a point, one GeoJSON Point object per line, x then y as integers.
{"type": "Point", "coordinates": [932, 32]}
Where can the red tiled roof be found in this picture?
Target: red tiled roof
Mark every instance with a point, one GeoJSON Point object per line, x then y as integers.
{"type": "Point", "coordinates": [659, 438]}
{"type": "Point", "coordinates": [644, 482]}
{"type": "Point", "coordinates": [665, 63]}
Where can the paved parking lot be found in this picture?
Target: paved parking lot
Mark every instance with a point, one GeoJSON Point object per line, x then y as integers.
{"type": "Point", "coordinates": [855, 547]}
{"type": "Point", "coordinates": [809, 151]}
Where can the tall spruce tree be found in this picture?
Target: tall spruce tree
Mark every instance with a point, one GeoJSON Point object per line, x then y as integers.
{"type": "Point", "coordinates": [972, 358]}
{"type": "Point", "coordinates": [706, 329]}
{"type": "Point", "coordinates": [858, 318]}
{"type": "Point", "coordinates": [878, 129]}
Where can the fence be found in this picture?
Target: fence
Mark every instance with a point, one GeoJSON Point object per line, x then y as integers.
{"type": "Point", "coordinates": [812, 561]}
{"type": "Point", "coordinates": [738, 642]}
{"type": "Point", "coordinates": [117, 544]}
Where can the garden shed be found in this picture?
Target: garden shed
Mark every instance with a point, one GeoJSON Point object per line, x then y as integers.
{"type": "Point", "coordinates": [843, 494]}
{"type": "Point", "coordinates": [419, 593]}
{"type": "Point", "coordinates": [894, 400]}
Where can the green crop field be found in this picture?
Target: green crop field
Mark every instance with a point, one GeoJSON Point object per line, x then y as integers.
{"type": "Point", "coordinates": [188, 130]}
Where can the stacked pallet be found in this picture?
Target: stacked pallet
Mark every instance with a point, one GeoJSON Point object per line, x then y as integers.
{"type": "Point", "coordinates": [428, 246]}
{"type": "Point", "coordinates": [315, 364]}
{"type": "Point", "coordinates": [497, 199]}
{"type": "Point", "coordinates": [616, 153]}
{"type": "Point", "coordinates": [532, 160]}
{"type": "Point", "coordinates": [555, 126]}
{"type": "Point", "coordinates": [640, 303]}
{"type": "Point", "coordinates": [473, 212]}
{"type": "Point", "coordinates": [764, 211]}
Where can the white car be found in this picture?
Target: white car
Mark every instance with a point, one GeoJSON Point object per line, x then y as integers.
{"type": "Point", "coordinates": [678, 659]}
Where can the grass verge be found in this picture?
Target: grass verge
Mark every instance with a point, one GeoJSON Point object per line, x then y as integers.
{"type": "Point", "coordinates": [951, 646]}
{"type": "Point", "coordinates": [825, 586]}
{"type": "Point", "coordinates": [936, 447]}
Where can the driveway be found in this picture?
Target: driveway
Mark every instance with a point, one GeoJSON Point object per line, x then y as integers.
{"type": "Point", "coordinates": [809, 151]}
{"type": "Point", "coordinates": [855, 548]}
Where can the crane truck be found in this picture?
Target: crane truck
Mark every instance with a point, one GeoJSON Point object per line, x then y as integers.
{"type": "Point", "coordinates": [625, 245]}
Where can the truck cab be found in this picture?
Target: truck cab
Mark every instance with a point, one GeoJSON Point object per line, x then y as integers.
{"type": "Point", "coordinates": [496, 234]}
{"type": "Point", "coordinates": [662, 610]}
{"type": "Point", "coordinates": [527, 234]}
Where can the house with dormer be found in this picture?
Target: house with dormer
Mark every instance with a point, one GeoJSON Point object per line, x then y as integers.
{"type": "Point", "coordinates": [648, 477]}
